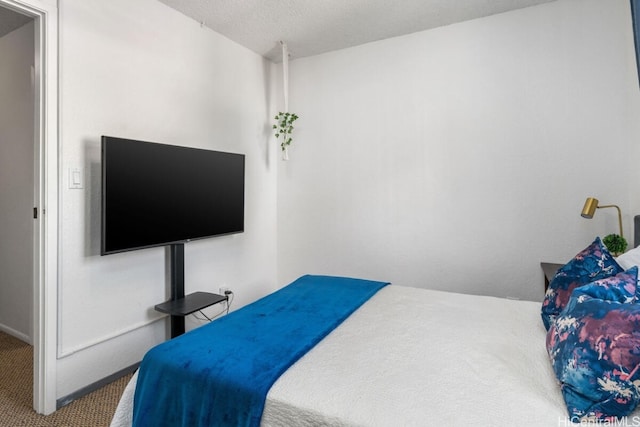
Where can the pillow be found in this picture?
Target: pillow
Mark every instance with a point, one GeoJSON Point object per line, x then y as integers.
{"type": "Point", "coordinates": [623, 288]}
{"type": "Point", "coordinates": [592, 263]}
{"type": "Point", "coordinates": [629, 259]}
{"type": "Point", "coordinates": [594, 348]}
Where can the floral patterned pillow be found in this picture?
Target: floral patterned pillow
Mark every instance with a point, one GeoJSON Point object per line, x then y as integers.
{"type": "Point", "coordinates": [594, 347]}
{"type": "Point", "coordinates": [593, 263]}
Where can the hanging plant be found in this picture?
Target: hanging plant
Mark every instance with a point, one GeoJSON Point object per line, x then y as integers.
{"type": "Point", "coordinates": [284, 128]}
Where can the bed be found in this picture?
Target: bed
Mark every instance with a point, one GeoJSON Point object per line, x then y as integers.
{"type": "Point", "coordinates": [411, 356]}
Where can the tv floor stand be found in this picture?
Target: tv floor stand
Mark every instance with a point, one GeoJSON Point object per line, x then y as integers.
{"type": "Point", "coordinates": [181, 305]}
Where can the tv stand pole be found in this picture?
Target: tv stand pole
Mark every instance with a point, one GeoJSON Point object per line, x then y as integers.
{"type": "Point", "coordinates": [180, 305]}
{"type": "Point", "coordinates": [177, 285]}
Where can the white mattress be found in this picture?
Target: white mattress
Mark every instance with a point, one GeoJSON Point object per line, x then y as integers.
{"type": "Point", "coordinates": [419, 357]}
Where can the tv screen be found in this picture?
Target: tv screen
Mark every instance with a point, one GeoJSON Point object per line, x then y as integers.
{"type": "Point", "coordinates": [157, 194]}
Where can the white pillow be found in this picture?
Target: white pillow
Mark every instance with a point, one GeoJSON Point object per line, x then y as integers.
{"type": "Point", "coordinates": [629, 259]}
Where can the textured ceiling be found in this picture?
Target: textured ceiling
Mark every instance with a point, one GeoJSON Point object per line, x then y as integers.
{"type": "Point", "coordinates": [310, 27]}
{"type": "Point", "coordinates": [10, 20]}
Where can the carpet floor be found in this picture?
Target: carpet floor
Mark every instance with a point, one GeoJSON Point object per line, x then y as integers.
{"type": "Point", "coordinates": [16, 394]}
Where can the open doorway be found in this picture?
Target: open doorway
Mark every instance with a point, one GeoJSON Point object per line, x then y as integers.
{"type": "Point", "coordinates": [17, 196]}
{"type": "Point", "coordinates": [17, 163]}
{"type": "Point", "coordinates": [33, 185]}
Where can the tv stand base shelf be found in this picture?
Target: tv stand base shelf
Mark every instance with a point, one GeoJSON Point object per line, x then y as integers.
{"type": "Point", "coordinates": [191, 303]}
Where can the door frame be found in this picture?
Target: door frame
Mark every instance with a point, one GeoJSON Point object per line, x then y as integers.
{"type": "Point", "coordinates": [45, 243]}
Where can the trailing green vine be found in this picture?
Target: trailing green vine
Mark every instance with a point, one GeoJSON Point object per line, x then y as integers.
{"type": "Point", "coordinates": [284, 128]}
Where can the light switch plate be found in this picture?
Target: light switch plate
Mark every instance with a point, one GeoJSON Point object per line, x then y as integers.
{"type": "Point", "coordinates": [76, 178]}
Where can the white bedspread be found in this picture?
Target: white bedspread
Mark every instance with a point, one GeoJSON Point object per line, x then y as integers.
{"type": "Point", "coordinates": [419, 357]}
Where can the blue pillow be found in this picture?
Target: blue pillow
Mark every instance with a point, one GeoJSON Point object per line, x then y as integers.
{"type": "Point", "coordinates": [593, 263]}
{"type": "Point", "coordinates": [594, 348]}
{"type": "Point", "coordinates": [619, 288]}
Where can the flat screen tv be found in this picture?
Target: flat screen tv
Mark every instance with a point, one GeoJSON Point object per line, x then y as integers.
{"type": "Point", "coordinates": [158, 194]}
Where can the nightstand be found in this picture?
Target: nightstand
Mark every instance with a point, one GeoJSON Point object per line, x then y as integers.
{"type": "Point", "coordinates": [550, 269]}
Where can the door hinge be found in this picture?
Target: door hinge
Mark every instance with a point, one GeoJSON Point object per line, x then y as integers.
{"type": "Point", "coordinates": [35, 213]}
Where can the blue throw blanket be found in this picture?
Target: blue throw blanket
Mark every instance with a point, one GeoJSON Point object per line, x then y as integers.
{"type": "Point", "coordinates": [219, 374]}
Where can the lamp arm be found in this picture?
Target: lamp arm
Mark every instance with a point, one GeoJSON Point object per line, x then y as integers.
{"type": "Point", "coordinates": [619, 215]}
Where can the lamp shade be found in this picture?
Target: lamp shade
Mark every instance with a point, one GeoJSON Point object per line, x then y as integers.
{"type": "Point", "coordinates": [590, 206]}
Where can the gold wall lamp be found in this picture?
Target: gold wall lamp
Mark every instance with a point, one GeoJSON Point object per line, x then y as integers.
{"type": "Point", "coordinates": [590, 206]}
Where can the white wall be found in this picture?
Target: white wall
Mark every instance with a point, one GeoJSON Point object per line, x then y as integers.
{"type": "Point", "coordinates": [140, 70]}
{"type": "Point", "coordinates": [16, 182]}
{"type": "Point", "coordinates": [459, 158]}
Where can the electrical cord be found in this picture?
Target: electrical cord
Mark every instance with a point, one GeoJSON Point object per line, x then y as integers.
{"type": "Point", "coordinates": [205, 316]}
{"type": "Point", "coordinates": [230, 296]}
{"type": "Point", "coordinates": [229, 299]}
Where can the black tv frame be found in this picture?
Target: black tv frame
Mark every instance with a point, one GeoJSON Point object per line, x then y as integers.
{"type": "Point", "coordinates": [118, 167]}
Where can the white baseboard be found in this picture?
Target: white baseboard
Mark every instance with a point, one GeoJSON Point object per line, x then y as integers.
{"type": "Point", "coordinates": [17, 334]}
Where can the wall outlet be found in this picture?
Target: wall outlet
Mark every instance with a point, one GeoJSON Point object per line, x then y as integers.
{"type": "Point", "coordinates": [225, 290]}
